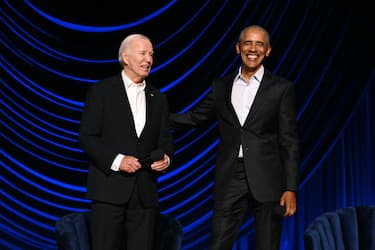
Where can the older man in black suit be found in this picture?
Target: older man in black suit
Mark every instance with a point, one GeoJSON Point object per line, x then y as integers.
{"type": "Point", "coordinates": [125, 121]}
{"type": "Point", "coordinates": [258, 154]}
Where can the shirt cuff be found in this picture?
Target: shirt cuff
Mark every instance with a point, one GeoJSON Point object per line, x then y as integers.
{"type": "Point", "coordinates": [117, 162]}
{"type": "Point", "coordinates": [169, 161]}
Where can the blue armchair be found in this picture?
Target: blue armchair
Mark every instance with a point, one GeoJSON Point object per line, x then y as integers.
{"type": "Point", "coordinates": [72, 232]}
{"type": "Point", "coordinates": [350, 228]}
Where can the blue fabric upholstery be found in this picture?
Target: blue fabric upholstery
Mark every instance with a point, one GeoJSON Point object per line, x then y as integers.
{"type": "Point", "coordinates": [72, 232]}
{"type": "Point", "coordinates": [351, 228]}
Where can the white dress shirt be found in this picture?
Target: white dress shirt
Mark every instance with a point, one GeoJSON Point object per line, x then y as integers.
{"type": "Point", "coordinates": [243, 95]}
{"type": "Point", "coordinates": [137, 100]}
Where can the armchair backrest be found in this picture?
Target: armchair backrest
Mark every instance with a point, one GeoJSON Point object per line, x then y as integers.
{"type": "Point", "coordinates": [350, 228]}
{"type": "Point", "coordinates": [73, 232]}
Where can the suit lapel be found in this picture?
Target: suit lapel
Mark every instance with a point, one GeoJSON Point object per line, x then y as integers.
{"type": "Point", "coordinates": [149, 95]}
{"type": "Point", "coordinates": [124, 103]}
{"type": "Point", "coordinates": [228, 83]}
{"type": "Point", "coordinates": [259, 100]}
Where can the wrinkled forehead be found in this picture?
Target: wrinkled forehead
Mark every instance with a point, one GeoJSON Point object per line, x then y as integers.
{"type": "Point", "coordinates": [141, 43]}
{"type": "Point", "coordinates": [254, 34]}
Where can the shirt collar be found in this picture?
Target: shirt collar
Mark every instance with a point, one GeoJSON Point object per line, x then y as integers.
{"type": "Point", "coordinates": [257, 76]}
{"type": "Point", "coordinates": [129, 83]}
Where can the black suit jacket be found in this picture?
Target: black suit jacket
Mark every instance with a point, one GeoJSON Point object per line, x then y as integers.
{"type": "Point", "coordinates": [107, 129]}
{"type": "Point", "coordinates": [269, 136]}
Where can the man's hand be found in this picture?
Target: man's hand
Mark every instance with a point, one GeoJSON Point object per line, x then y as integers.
{"type": "Point", "coordinates": [129, 164]}
{"type": "Point", "coordinates": [288, 199]}
{"type": "Point", "coordinates": [161, 165]}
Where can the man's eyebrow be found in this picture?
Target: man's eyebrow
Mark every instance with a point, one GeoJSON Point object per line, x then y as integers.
{"type": "Point", "coordinates": [252, 41]}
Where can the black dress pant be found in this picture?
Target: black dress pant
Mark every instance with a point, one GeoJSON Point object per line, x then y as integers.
{"type": "Point", "coordinates": [231, 210]}
{"type": "Point", "coordinates": [127, 226]}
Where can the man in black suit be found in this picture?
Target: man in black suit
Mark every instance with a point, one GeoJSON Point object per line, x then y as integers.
{"type": "Point", "coordinates": [125, 132]}
{"type": "Point", "coordinates": [258, 154]}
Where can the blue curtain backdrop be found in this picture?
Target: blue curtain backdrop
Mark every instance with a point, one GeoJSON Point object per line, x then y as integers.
{"type": "Point", "coordinates": [52, 51]}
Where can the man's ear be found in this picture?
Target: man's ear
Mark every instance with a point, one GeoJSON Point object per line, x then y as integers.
{"type": "Point", "coordinates": [237, 49]}
{"type": "Point", "coordinates": [268, 52]}
{"type": "Point", "coordinates": [124, 58]}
